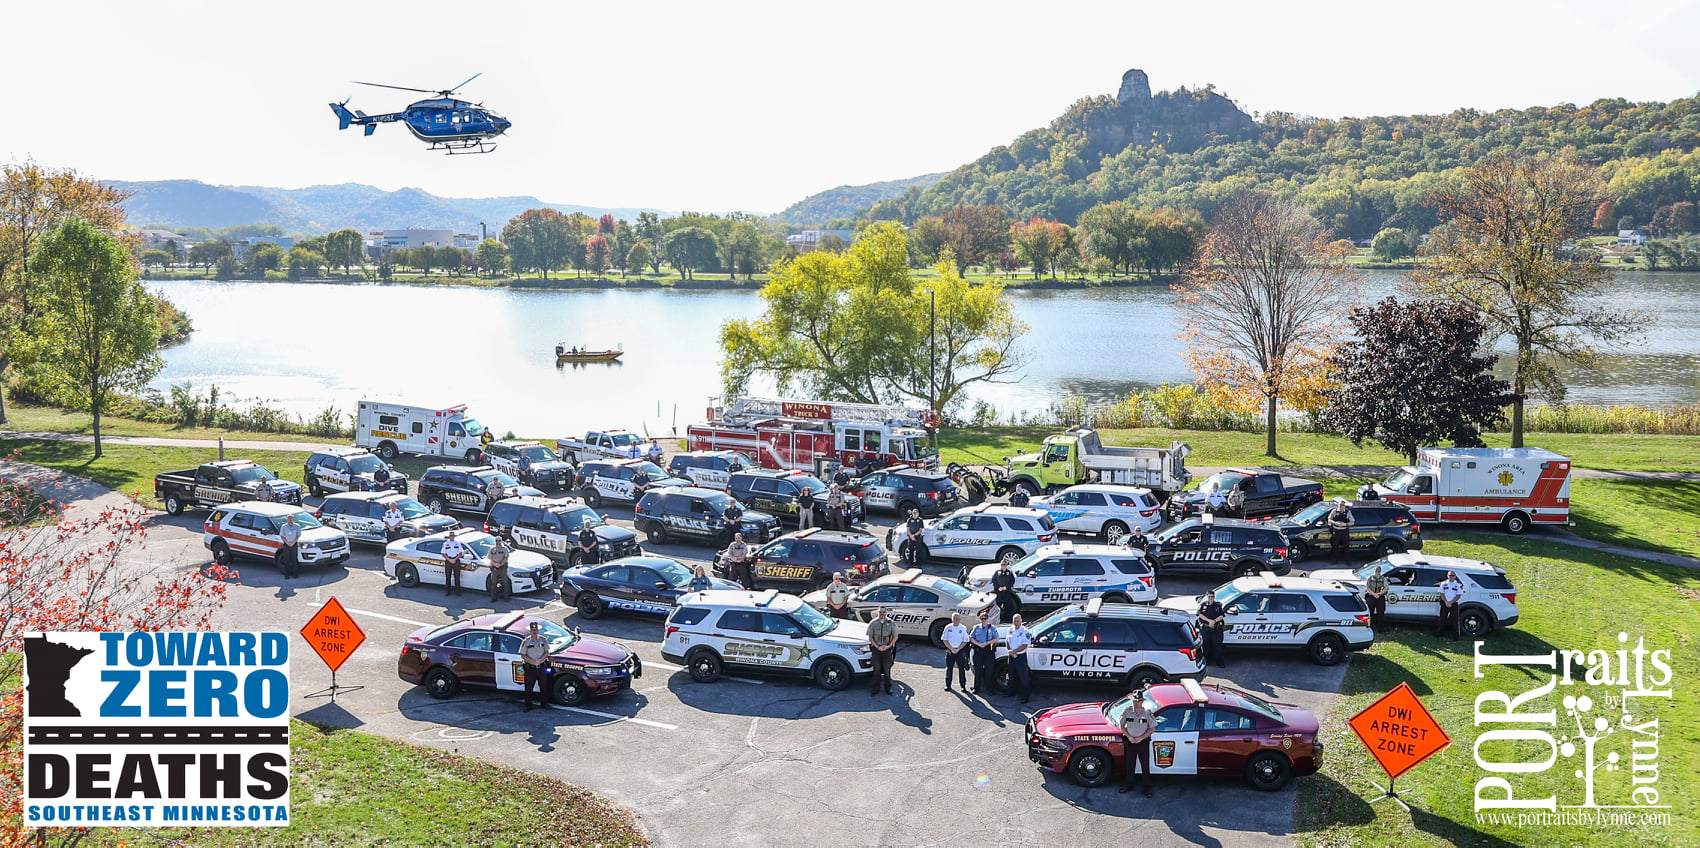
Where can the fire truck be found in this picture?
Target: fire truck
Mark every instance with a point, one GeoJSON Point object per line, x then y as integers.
{"type": "Point", "coordinates": [818, 436]}
{"type": "Point", "coordinates": [1512, 487]}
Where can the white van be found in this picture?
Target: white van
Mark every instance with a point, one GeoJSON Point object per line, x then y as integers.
{"type": "Point", "coordinates": [391, 429]}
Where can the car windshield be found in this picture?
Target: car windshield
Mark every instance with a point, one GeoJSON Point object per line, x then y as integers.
{"type": "Point", "coordinates": [1045, 623]}
{"type": "Point", "coordinates": [654, 471]}
{"type": "Point", "coordinates": [480, 547]}
{"type": "Point", "coordinates": [560, 638]}
{"type": "Point", "coordinates": [538, 453]}
{"type": "Point", "coordinates": [1225, 594]}
{"type": "Point", "coordinates": [410, 508]}
{"type": "Point", "coordinates": [473, 428]}
{"type": "Point", "coordinates": [1173, 530]}
{"type": "Point", "coordinates": [307, 520]}
{"type": "Point", "coordinates": [719, 501]}
{"type": "Point", "coordinates": [739, 462]}
{"type": "Point", "coordinates": [1257, 705]}
{"type": "Point", "coordinates": [623, 439]}
{"type": "Point", "coordinates": [810, 483]}
{"type": "Point", "coordinates": [1021, 565]}
{"type": "Point", "coordinates": [365, 464]}
{"type": "Point", "coordinates": [955, 590]}
{"type": "Point", "coordinates": [813, 620]}
{"type": "Point", "coordinates": [1223, 480]}
{"type": "Point", "coordinates": [251, 474]}
{"type": "Point", "coordinates": [675, 574]}
{"type": "Point", "coordinates": [1114, 709]}
{"type": "Point", "coordinates": [1372, 567]}
{"type": "Point", "coordinates": [573, 520]}
{"type": "Point", "coordinates": [485, 476]}
{"type": "Point", "coordinates": [1312, 514]}
{"type": "Point", "coordinates": [1401, 479]}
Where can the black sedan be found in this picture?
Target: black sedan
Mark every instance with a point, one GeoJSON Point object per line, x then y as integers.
{"type": "Point", "coordinates": [646, 584]}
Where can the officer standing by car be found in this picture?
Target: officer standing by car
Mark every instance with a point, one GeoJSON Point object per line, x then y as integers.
{"type": "Point", "coordinates": [1135, 540]}
{"type": "Point", "coordinates": [912, 538]}
{"type": "Point", "coordinates": [838, 596]}
{"type": "Point", "coordinates": [1216, 501]}
{"type": "Point", "coordinates": [524, 468]}
{"type": "Point", "coordinates": [1137, 725]}
{"type": "Point", "coordinates": [841, 479]}
{"type": "Point", "coordinates": [1375, 596]}
{"type": "Point", "coordinates": [534, 652]}
{"type": "Point", "coordinates": [1020, 675]}
{"type": "Point", "coordinates": [589, 547]}
{"type": "Point", "coordinates": [1003, 587]}
{"type": "Point", "coordinates": [655, 452]}
{"type": "Point", "coordinates": [264, 492]}
{"type": "Point", "coordinates": [985, 637]}
{"type": "Point", "coordinates": [392, 523]}
{"type": "Point", "coordinates": [289, 556]}
{"type": "Point", "coordinates": [1236, 502]}
{"type": "Point", "coordinates": [835, 508]}
{"type": "Point", "coordinates": [1340, 532]}
{"type": "Point", "coordinates": [453, 550]}
{"type": "Point", "coordinates": [493, 489]}
{"type": "Point", "coordinates": [632, 451]}
{"type": "Point", "coordinates": [734, 516]}
{"type": "Point", "coordinates": [1451, 590]}
{"type": "Point", "coordinates": [1019, 497]}
{"type": "Point", "coordinates": [1211, 619]}
{"type": "Point", "coordinates": [381, 477]}
{"type": "Point", "coordinates": [738, 562]}
{"type": "Point", "coordinates": [806, 509]}
{"type": "Point", "coordinates": [956, 651]}
{"type": "Point", "coordinates": [882, 635]}
{"type": "Point", "coordinates": [501, 589]}
{"type": "Point", "coordinates": [700, 581]}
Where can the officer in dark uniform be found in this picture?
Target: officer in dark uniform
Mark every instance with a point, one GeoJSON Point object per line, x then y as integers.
{"type": "Point", "coordinates": [1212, 619]}
{"type": "Point", "coordinates": [1003, 585]}
{"type": "Point", "coordinates": [734, 519]}
{"type": "Point", "coordinates": [912, 538]}
{"type": "Point", "coordinates": [589, 547]}
{"type": "Point", "coordinates": [381, 477]}
{"type": "Point", "coordinates": [1019, 498]}
{"type": "Point", "coordinates": [640, 481]}
{"type": "Point", "coordinates": [1340, 532]}
{"type": "Point", "coordinates": [842, 478]}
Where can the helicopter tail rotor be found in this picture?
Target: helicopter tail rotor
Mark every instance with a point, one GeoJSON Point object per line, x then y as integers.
{"type": "Point", "coordinates": [345, 117]}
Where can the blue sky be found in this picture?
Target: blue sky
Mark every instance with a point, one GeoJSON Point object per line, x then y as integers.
{"type": "Point", "coordinates": [754, 105]}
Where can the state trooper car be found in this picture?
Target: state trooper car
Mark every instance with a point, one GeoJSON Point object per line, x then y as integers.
{"type": "Point", "coordinates": [1069, 573]}
{"type": "Point", "coordinates": [696, 514]}
{"type": "Point", "coordinates": [1413, 590]}
{"type": "Point", "coordinates": [709, 469]}
{"type": "Point", "coordinates": [347, 470]}
{"type": "Point", "coordinates": [361, 516]}
{"type": "Point", "coordinates": [980, 533]}
{"type": "Point", "coordinates": [1103, 510]}
{"type": "Point", "coordinates": [550, 526]}
{"type": "Point", "coordinates": [254, 529]}
{"type": "Point", "coordinates": [1325, 618]}
{"type": "Point", "coordinates": [548, 471]}
{"type": "Point", "coordinates": [616, 480]}
{"type": "Point", "coordinates": [1241, 547]}
{"type": "Point", "coordinates": [420, 560]}
{"type": "Point", "coordinates": [1122, 644]}
{"type": "Point", "coordinates": [455, 487]}
{"type": "Point", "coordinates": [920, 603]}
{"type": "Point", "coordinates": [766, 631]}
{"type": "Point", "coordinates": [644, 584]}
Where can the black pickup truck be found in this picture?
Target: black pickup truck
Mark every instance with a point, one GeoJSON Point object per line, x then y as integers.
{"type": "Point", "coordinates": [221, 482]}
{"type": "Point", "coordinates": [1266, 493]}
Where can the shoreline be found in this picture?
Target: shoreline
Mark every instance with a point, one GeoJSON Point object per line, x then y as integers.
{"type": "Point", "coordinates": [647, 283]}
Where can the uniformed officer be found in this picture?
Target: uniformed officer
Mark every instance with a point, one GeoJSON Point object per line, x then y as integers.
{"type": "Point", "coordinates": [1136, 726]}
{"type": "Point", "coordinates": [738, 562]}
{"type": "Point", "coordinates": [1003, 586]}
{"type": "Point", "coordinates": [838, 596]}
{"type": "Point", "coordinates": [264, 492]}
{"type": "Point", "coordinates": [1019, 497]}
{"type": "Point", "coordinates": [1212, 621]}
{"type": "Point", "coordinates": [633, 451]}
{"type": "Point", "coordinates": [1367, 492]}
{"type": "Point", "coordinates": [1020, 675]}
{"type": "Point", "coordinates": [912, 538]}
{"type": "Point", "coordinates": [700, 581]}
{"type": "Point", "coordinates": [655, 452]}
{"type": "Point", "coordinates": [524, 468]}
{"type": "Point", "coordinates": [882, 635]}
{"type": "Point", "coordinates": [1451, 591]}
{"type": "Point", "coordinates": [1135, 540]}
{"type": "Point", "coordinates": [806, 509]}
{"type": "Point", "coordinates": [984, 637]}
{"type": "Point", "coordinates": [289, 556]}
{"type": "Point", "coordinates": [955, 651]}
{"type": "Point", "coordinates": [1216, 501]}
{"type": "Point", "coordinates": [1236, 502]}
{"type": "Point", "coordinates": [842, 477]}
{"type": "Point", "coordinates": [493, 489]}
{"type": "Point", "coordinates": [392, 522]}
{"type": "Point", "coordinates": [453, 550]}
{"type": "Point", "coordinates": [1340, 532]}
{"type": "Point", "coordinates": [501, 588]}
{"type": "Point", "coordinates": [381, 477]}
{"type": "Point", "coordinates": [734, 516]}
{"type": "Point", "coordinates": [534, 652]}
{"type": "Point", "coordinates": [589, 547]}
{"type": "Point", "coordinates": [1375, 596]}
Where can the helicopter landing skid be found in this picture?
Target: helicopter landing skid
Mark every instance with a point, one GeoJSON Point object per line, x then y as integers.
{"type": "Point", "coordinates": [462, 147]}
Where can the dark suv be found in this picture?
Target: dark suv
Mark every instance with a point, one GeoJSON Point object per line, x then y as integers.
{"type": "Point", "coordinates": [1379, 528]}
{"type": "Point", "coordinates": [1240, 547]}
{"type": "Point", "coordinates": [348, 470]}
{"type": "Point", "coordinates": [708, 469]}
{"type": "Point", "coordinates": [777, 492]}
{"type": "Point", "coordinates": [446, 487]}
{"type": "Point", "coordinates": [550, 526]}
{"type": "Point", "coordinates": [548, 471]}
{"type": "Point", "coordinates": [692, 513]}
{"type": "Point", "coordinates": [901, 489]}
{"type": "Point", "coordinates": [803, 561]}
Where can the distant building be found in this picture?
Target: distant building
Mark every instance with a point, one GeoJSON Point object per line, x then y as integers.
{"type": "Point", "coordinates": [412, 237]}
{"type": "Point", "coordinates": [156, 239]}
{"type": "Point", "coordinates": [1629, 238]}
{"type": "Point", "coordinates": [467, 240]}
{"type": "Point", "coordinates": [808, 240]}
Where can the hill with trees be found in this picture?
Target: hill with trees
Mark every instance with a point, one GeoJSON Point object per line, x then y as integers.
{"type": "Point", "coordinates": [846, 200]}
{"type": "Point", "coordinates": [1193, 149]}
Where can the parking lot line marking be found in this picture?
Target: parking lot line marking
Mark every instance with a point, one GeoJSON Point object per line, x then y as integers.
{"type": "Point", "coordinates": [653, 664]}
{"type": "Point", "coordinates": [616, 718]}
{"type": "Point", "coordinates": [390, 617]}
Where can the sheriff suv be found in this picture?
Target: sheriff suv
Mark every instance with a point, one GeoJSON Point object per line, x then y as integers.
{"type": "Point", "coordinates": [349, 470]}
{"type": "Point", "coordinates": [805, 560]}
{"type": "Point", "coordinates": [361, 516]}
{"type": "Point", "coordinates": [980, 533]}
{"type": "Point", "coordinates": [550, 526]}
{"type": "Point", "coordinates": [456, 487]}
{"type": "Point", "coordinates": [617, 480]}
{"type": "Point", "coordinates": [1120, 644]}
{"type": "Point", "coordinates": [548, 471]}
{"type": "Point", "coordinates": [1323, 618]}
{"type": "Point", "coordinates": [900, 489]}
{"type": "Point", "coordinates": [777, 493]}
{"type": "Point", "coordinates": [1379, 528]}
{"type": "Point", "coordinates": [1413, 590]}
{"type": "Point", "coordinates": [696, 514]}
{"type": "Point", "coordinates": [1070, 573]}
{"type": "Point", "coordinates": [767, 632]}
{"type": "Point", "coordinates": [1241, 547]}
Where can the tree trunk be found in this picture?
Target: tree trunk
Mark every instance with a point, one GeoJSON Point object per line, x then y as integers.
{"type": "Point", "coordinates": [94, 411]}
{"type": "Point", "coordinates": [5, 363]}
{"type": "Point", "coordinates": [1269, 421]}
{"type": "Point", "coordinates": [1517, 419]}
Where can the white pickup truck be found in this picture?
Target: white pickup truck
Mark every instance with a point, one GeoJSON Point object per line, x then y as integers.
{"type": "Point", "coordinates": [605, 444]}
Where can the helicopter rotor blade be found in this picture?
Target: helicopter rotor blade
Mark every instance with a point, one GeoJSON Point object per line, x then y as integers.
{"type": "Point", "coordinates": [397, 87]}
{"type": "Point", "coordinates": [462, 85]}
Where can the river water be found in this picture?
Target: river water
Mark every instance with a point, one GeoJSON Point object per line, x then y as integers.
{"type": "Point", "coordinates": [306, 346]}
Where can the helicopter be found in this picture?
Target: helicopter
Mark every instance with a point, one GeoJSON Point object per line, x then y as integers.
{"type": "Point", "coordinates": [450, 125]}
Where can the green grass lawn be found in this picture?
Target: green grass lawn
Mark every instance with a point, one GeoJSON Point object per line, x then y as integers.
{"type": "Point", "coordinates": [1653, 514]}
{"type": "Point", "coordinates": [47, 419]}
{"type": "Point", "coordinates": [1570, 599]}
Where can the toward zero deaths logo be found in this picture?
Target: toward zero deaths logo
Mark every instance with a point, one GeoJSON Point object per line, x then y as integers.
{"type": "Point", "coordinates": [149, 729]}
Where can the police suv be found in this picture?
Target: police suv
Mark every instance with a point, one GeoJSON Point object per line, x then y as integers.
{"type": "Point", "coordinates": [1069, 573]}
{"type": "Point", "coordinates": [1103, 510]}
{"type": "Point", "coordinates": [1413, 590]}
{"type": "Point", "coordinates": [1324, 618]}
{"type": "Point", "coordinates": [709, 469]}
{"type": "Point", "coordinates": [696, 514]}
{"type": "Point", "coordinates": [454, 487]}
{"type": "Point", "coordinates": [550, 526]}
{"type": "Point", "coordinates": [348, 470]}
{"type": "Point", "coordinates": [548, 471]}
{"type": "Point", "coordinates": [980, 533]}
{"type": "Point", "coordinates": [616, 480]}
{"type": "Point", "coordinates": [361, 516]}
{"type": "Point", "coordinates": [721, 629]}
{"type": "Point", "coordinates": [1241, 547]}
{"type": "Point", "coordinates": [1122, 644]}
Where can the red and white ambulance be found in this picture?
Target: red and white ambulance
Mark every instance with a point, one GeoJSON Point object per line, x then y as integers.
{"type": "Point", "coordinates": [1513, 487]}
{"type": "Point", "coordinates": [796, 434]}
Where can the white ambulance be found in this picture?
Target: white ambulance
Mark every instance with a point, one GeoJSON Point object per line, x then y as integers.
{"type": "Point", "coordinates": [391, 429]}
{"type": "Point", "coordinates": [1512, 487]}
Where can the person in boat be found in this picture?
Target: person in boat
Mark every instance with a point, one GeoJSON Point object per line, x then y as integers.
{"type": "Point", "coordinates": [560, 348]}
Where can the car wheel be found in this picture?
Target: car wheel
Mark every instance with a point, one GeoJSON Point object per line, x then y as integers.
{"type": "Point", "coordinates": [1475, 622]}
{"type": "Point", "coordinates": [387, 451]}
{"type": "Point", "coordinates": [590, 606]}
{"type": "Point", "coordinates": [1116, 598]}
{"type": "Point", "coordinates": [1002, 681]}
{"type": "Point", "coordinates": [656, 533]}
{"type": "Point", "coordinates": [1299, 551]}
{"type": "Point", "coordinates": [1091, 767]}
{"type": "Point", "coordinates": [832, 674]}
{"type": "Point", "coordinates": [221, 553]}
{"type": "Point", "coordinates": [904, 507]}
{"type": "Point", "coordinates": [1114, 532]}
{"type": "Point", "coordinates": [441, 683]}
{"type": "Point", "coordinates": [1327, 649]}
{"type": "Point", "coordinates": [173, 504]}
{"type": "Point", "coordinates": [1515, 523]}
{"type": "Point", "coordinates": [438, 506]}
{"type": "Point", "coordinates": [569, 691]}
{"type": "Point", "coordinates": [473, 456]}
{"type": "Point", "coordinates": [1246, 568]}
{"type": "Point", "coordinates": [1142, 677]}
{"type": "Point", "coordinates": [1011, 555]}
{"type": "Point", "coordinates": [313, 487]}
{"type": "Point", "coordinates": [591, 498]}
{"type": "Point", "coordinates": [704, 665]}
{"type": "Point", "coordinates": [1389, 548]}
{"type": "Point", "coordinates": [1268, 771]}
{"type": "Point", "coordinates": [407, 575]}
{"type": "Point", "coordinates": [935, 633]}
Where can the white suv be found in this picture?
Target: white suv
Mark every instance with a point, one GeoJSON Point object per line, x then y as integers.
{"type": "Point", "coordinates": [1103, 510]}
{"type": "Point", "coordinates": [254, 529]}
{"type": "Point", "coordinates": [1069, 573]}
{"type": "Point", "coordinates": [1325, 618]}
{"type": "Point", "coordinates": [764, 631]}
{"type": "Point", "coordinates": [980, 533]}
{"type": "Point", "coordinates": [1413, 590]}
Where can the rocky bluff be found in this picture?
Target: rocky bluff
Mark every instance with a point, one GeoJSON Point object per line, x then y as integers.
{"type": "Point", "coordinates": [1180, 120]}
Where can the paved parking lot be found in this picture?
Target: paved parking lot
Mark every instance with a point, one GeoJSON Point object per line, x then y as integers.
{"type": "Point", "coordinates": [757, 761]}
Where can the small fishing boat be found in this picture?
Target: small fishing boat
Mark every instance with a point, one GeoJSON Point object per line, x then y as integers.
{"type": "Point", "coordinates": [567, 354]}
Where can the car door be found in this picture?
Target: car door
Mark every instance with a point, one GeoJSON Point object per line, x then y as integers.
{"type": "Point", "coordinates": [808, 562]}
{"type": "Point", "coordinates": [878, 491]}
{"type": "Point", "coordinates": [1248, 619]}
{"type": "Point", "coordinates": [1182, 549]}
{"type": "Point", "coordinates": [1042, 579]}
{"type": "Point", "coordinates": [472, 657]}
{"type": "Point", "coordinates": [614, 584]}
{"type": "Point", "coordinates": [1089, 512]}
{"type": "Point", "coordinates": [1226, 740]}
{"type": "Point", "coordinates": [949, 538]}
{"type": "Point", "coordinates": [1059, 650]}
{"type": "Point", "coordinates": [764, 495]}
{"type": "Point", "coordinates": [508, 667]}
{"type": "Point", "coordinates": [1175, 740]}
{"type": "Point", "coordinates": [428, 560]}
{"type": "Point", "coordinates": [745, 643]}
{"type": "Point", "coordinates": [535, 530]}
{"type": "Point", "coordinates": [358, 520]}
{"type": "Point", "coordinates": [914, 611]}
{"type": "Point", "coordinates": [648, 590]}
{"type": "Point", "coordinates": [338, 475]}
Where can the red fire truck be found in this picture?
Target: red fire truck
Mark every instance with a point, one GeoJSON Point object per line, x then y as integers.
{"type": "Point", "coordinates": [813, 435]}
{"type": "Point", "coordinates": [1513, 487]}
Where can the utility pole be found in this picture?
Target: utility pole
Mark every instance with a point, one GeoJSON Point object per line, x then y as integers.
{"type": "Point", "coordinates": [932, 350]}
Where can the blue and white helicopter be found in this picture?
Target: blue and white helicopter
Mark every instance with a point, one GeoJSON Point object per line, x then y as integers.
{"type": "Point", "coordinates": [450, 125]}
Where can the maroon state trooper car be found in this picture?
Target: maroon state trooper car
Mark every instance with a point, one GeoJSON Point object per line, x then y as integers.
{"type": "Point", "coordinates": [1205, 730]}
{"type": "Point", "coordinates": [483, 653]}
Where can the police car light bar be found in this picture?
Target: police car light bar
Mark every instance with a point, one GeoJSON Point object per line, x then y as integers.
{"type": "Point", "coordinates": [1094, 606]}
{"type": "Point", "coordinates": [1207, 518]}
{"type": "Point", "coordinates": [766, 597]}
{"type": "Point", "coordinates": [1068, 547]}
{"type": "Point", "coordinates": [910, 575]}
{"type": "Point", "coordinates": [981, 508]}
{"type": "Point", "coordinates": [1194, 691]}
{"type": "Point", "coordinates": [807, 533]}
{"type": "Point", "coordinates": [508, 620]}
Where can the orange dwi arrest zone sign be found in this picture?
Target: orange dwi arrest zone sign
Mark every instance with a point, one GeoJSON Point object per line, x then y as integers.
{"type": "Point", "coordinates": [1399, 731]}
{"type": "Point", "coordinates": [332, 634]}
